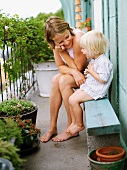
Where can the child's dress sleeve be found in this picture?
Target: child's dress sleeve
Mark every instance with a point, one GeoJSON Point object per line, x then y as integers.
{"type": "Point", "coordinates": [105, 70]}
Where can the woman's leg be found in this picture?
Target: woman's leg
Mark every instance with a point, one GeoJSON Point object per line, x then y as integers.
{"type": "Point", "coordinates": [55, 104]}
{"type": "Point", "coordinates": [66, 84]}
{"type": "Point", "coordinates": [72, 114]}
{"type": "Point", "coordinates": [75, 100]}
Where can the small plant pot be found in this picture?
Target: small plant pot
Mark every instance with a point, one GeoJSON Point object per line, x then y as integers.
{"type": "Point", "coordinates": [31, 115]}
{"type": "Point", "coordinates": [5, 164]}
{"type": "Point", "coordinates": [96, 165]}
{"type": "Point", "coordinates": [26, 151]}
{"type": "Point", "coordinates": [24, 115]}
{"type": "Point", "coordinates": [110, 153]}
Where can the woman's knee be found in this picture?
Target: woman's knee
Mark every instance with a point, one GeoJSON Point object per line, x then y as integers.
{"type": "Point", "coordinates": [65, 81]}
{"type": "Point", "coordinates": [55, 80]}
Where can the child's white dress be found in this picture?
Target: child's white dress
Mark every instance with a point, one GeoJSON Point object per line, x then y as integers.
{"type": "Point", "coordinates": [104, 67]}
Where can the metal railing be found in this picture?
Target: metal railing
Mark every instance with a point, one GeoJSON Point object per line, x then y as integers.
{"type": "Point", "coordinates": [21, 82]}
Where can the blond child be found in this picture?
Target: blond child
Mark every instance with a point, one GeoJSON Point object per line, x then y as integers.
{"type": "Point", "coordinates": [99, 74]}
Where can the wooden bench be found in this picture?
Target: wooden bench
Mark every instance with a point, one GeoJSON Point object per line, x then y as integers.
{"type": "Point", "coordinates": [102, 124]}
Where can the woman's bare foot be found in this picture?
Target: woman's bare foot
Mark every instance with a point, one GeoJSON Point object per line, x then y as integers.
{"type": "Point", "coordinates": [64, 136]}
{"type": "Point", "coordinates": [47, 136]}
{"type": "Point", "coordinates": [76, 129]}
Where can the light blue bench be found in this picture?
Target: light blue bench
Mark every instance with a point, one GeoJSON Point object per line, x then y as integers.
{"type": "Point", "coordinates": [102, 124]}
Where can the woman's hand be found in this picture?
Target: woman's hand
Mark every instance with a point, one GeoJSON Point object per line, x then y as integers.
{"type": "Point", "coordinates": [59, 48]}
{"type": "Point", "coordinates": [79, 77]}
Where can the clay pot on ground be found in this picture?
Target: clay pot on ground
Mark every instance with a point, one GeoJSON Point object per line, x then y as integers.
{"type": "Point", "coordinates": [110, 153]}
{"type": "Point", "coordinates": [97, 165]}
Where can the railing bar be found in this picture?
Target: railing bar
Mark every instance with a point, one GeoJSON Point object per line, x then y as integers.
{"type": "Point", "coordinates": [1, 86]}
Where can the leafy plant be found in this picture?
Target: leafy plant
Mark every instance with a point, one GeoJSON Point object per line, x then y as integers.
{"type": "Point", "coordinates": [113, 152]}
{"type": "Point", "coordinates": [23, 43]}
{"type": "Point", "coordinates": [25, 36]}
{"type": "Point", "coordinates": [29, 132]}
{"type": "Point", "coordinates": [26, 44]}
{"type": "Point", "coordinates": [13, 107]}
{"type": "Point", "coordinates": [10, 131]}
{"type": "Point", "coordinates": [10, 151]}
{"type": "Point", "coordinates": [22, 133]}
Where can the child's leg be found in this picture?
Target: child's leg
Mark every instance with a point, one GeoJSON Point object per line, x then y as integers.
{"type": "Point", "coordinates": [75, 100]}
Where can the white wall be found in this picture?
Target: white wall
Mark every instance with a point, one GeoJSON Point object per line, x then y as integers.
{"type": "Point", "coordinates": [98, 15]}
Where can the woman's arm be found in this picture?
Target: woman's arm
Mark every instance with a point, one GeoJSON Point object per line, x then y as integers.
{"type": "Point", "coordinates": [80, 59]}
{"type": "Point", "coordinates": [64, 69]}
{"type": "Point", "coordinates": [62, 52]}
{"type": "Point", "coordinates": [68, 59]}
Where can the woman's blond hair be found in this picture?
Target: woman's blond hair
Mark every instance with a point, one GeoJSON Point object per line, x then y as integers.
{"type": "Point", "coordinates": [94, 41]}
{"type": "Point", "coordinates": [55, 25]}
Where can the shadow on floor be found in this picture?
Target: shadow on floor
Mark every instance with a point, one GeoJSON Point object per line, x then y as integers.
{"type": "Point", "coordinates": [67, 155]}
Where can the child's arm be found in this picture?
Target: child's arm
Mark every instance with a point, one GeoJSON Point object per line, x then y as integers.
{"type": "Point", "coordinates": [90, 70]}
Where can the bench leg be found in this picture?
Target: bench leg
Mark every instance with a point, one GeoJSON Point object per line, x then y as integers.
{"type": "Point", "coordinates": [95, 142]}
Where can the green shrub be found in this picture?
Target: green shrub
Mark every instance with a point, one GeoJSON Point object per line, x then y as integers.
{"type": "Point", "coordinates": [13, 107]}
{"type": "Point", "coordinates": [10, 131]}
{"type": "Point", "coordinates": [10, 152]}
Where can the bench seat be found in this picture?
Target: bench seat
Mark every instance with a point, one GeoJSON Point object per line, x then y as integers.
{"type": "Point", "coordinates": [102, 124]}
{"type": "Point", "coordinates": [101, 118]}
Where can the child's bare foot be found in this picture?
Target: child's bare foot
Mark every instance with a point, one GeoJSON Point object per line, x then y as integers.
{"type": "Point", "coordinates": [68, 129]}
{"type": "Point", "coordinates": [47, 136]}
{"type": "Point", "coordinates": [76, 129]}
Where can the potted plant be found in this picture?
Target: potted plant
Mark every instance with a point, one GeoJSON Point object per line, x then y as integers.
{"type": "Point", "coordinates": [13, 107]}
{"type": "Point", "coordinates": [22, 133]}
{"type": "Point", "coordinates": [86, 26]}
{"type": "Point", "coordinates": [28, 51]}
{"type": "Point", "coordinates": [29, 134]}
{"type": "Point", "coordinates": [95, 164]}
{"type": "Point", "coordinates": [9, 131]}
{"type": "Point", "coordinates": [110, 153]}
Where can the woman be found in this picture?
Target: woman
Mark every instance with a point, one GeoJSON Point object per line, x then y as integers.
{"type": "Point", "coordinates": [70, 62]}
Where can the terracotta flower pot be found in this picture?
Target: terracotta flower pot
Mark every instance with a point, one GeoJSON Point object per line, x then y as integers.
{"type": "Point", "coordinates": [96, 165]}
{"type": "Point", "coordinates": [110, 153]}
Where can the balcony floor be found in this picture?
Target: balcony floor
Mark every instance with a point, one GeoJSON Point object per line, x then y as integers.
{"type": "Point", "coordinates": [67, 155]}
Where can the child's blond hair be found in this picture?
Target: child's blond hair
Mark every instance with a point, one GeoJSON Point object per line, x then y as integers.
{"type": "Point", "coordinates": [94, 41]}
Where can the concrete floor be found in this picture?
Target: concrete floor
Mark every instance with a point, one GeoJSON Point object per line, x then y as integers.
{"type": "Point", "coordinates": [67, 155]}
